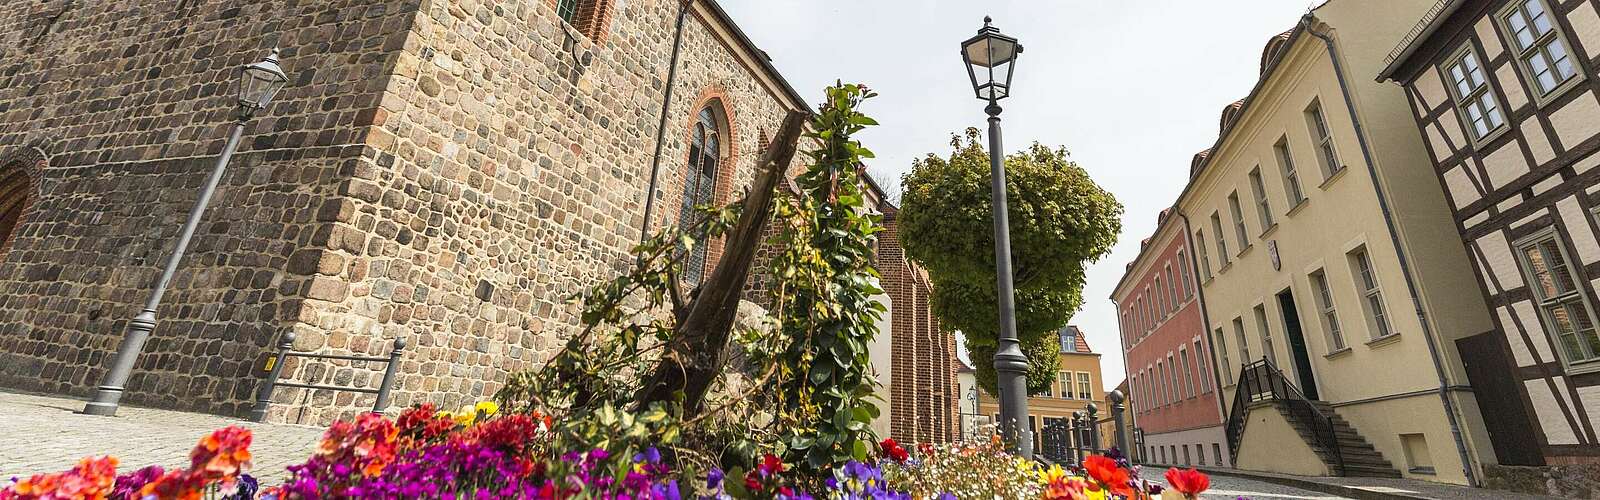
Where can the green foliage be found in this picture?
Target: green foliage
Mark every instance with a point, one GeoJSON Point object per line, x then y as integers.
{"type": "Point", "coordinates": [1060, 221]}
{"type": "Point", "coordinates": [1043, 360]}
{"type": "Point", "coordinates": [1035, 310]}
{"type": "Point", "coordinates": [813, 399]}
{"type": "Point", "coordinates": [824, 293]}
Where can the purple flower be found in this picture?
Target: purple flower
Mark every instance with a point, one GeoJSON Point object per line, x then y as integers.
{"type": "Point", "coordinates": [714, 478]}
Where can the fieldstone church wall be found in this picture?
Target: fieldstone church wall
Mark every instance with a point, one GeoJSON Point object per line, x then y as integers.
{"type": "Point", "coordinates": [449, 171]}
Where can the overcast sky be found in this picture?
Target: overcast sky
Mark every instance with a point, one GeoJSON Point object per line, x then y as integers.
{"type": "Point", "coordinates": [1132, 88]}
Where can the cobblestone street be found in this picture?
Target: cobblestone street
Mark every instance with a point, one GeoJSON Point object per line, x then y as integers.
{"type": "Point", "coordinates": [47, 434]}
{"type": "Point", "coordinates": [1229, 487]}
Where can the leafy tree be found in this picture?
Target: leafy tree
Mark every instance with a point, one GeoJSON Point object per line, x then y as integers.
{"type": "Point", "coordinates": [1060, 222]}
{"type": "Point", "coordinates": [1041, 374]}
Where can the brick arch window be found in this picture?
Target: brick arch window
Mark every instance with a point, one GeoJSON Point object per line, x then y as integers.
{"type": "Point", "coordinates": [17, 187]}
{"type": "Point", "coordinates": [590, 17]}
{"type": "Point", "coordinates": [708, 140]}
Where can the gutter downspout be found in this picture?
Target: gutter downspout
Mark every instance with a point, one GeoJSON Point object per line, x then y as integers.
{"type": "Point", "coordinates": [661, 129]}
{"type": "Point", "coordinates": [1205, 317]}
{"type": "Point", "coordinates": [1405, 265]}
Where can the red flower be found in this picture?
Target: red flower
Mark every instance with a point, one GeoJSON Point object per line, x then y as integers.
{"type": "Point", "coordinates": [770, 465]}
{"type": "Point", "coordinates": [893, 450]}
{"type": "Point", "coordinates": [1188, 482]}
{"type": "Point", "coordinates": [1106, 472]}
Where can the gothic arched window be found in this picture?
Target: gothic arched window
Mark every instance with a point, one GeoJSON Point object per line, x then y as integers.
{"type": "Point", "coordinates": [16, 190]}
{"type": "Point", "coordinates": [705, 156]}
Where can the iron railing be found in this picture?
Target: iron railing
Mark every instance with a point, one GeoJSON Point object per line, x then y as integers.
{"type": "Point", "coordinates": [1261, 381]}
{"type": "Point", "coordinates": [286, 351]}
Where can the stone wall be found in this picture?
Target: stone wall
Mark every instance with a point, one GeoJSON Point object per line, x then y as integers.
{"type": "Point", "coordinates": [130, 101]}
{"type": "Point", "coordinates": [446, 171]}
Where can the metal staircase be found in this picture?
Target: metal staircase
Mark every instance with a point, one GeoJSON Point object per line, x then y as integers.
{"type": "Point", "coordinates": [1330, 436]}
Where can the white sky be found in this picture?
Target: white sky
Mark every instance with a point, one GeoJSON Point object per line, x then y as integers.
{"type": "Point", "coordinates": [1133, 88]}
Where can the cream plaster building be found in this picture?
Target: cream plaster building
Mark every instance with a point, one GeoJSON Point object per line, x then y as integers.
{"type": "Point", "coordinates": [1329, 301]}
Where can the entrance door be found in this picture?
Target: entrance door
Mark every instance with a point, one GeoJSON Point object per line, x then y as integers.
{"type": "Point", "coordinates": [1297, 344]}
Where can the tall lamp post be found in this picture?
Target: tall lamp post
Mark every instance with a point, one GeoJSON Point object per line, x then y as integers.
{"type": "Point", "coordinates": [258, 83]}
{"type": "Point", "coordinates": [991, 58]}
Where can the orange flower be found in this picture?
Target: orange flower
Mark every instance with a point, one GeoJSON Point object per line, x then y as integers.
{"type": "Point", "coordinates": [1188, 482]}
{"type": "Point", "coordinates": [223, 454]}
{"type": "Point", "coordinates": [1105, 471]}
{"type": "Point", "coordinates": [92, 478]}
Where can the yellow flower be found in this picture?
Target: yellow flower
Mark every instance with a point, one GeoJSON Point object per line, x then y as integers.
{"type": "Point", "coordinates": [488, 408]}
{"type": "Point", "coordinates": [466, 416]}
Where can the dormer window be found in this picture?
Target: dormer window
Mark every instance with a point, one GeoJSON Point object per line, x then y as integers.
{"type": "Point", "coordinates": [1069, 339]}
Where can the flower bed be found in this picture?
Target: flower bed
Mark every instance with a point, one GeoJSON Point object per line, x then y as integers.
{"type": "Point", "coordinates": [478, 453]}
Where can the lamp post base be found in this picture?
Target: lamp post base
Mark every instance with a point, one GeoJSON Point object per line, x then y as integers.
{"type": "Point", "coordinates": [109, 394]}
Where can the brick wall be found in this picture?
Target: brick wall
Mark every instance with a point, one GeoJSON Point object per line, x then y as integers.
{"type": "Point", "coordinates": [924, 391]}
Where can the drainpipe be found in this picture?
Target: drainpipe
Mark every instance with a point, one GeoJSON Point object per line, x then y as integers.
{"type": "Point", "coordinates": [1405, 265]}
{"type": "Point", "coordinates": [1205, 316]}
{"type": "Point", "coordinates": [661, 128]}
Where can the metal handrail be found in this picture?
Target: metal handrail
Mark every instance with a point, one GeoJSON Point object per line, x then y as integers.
{"type": "Point", "coordinates": [286, 350]}
{"type": "Point", "coordinates": [1263, 381]}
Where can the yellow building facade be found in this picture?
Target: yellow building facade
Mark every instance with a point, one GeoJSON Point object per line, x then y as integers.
{"type": "Point", "coordinates": [1329, 279]}
{"type": "Point", "coordinates": [1077, 385]}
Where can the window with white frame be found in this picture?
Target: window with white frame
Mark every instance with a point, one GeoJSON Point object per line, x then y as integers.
{"type": "Point", "coordinates": [1222, 356]}
{"type": "Point", "coordinates": [1183, 271]}
{"type": "Point", "coordinates": [1172, 290]}
{"type": "Point", "coordinates": [1188, 372]}
{"type": "Point", "coordinates": [1265, 331]}
{"type": "Point", "coordinates": [1475, 99]}
{"type": "Point", "coordinates": [1205, 258]}
{"type": "Point", "coordinates": [1162, 397]}
{"type": "Point", "coordinates": [1258, 189]}
{"type": "Point", "coordinates": [1161, 298]}
{"type": "Point", "coordinates": [1068, 336]}
{"type": "Point", "coordinates": [1372, 294]}
{"type": "Point", "coordinates": [1238, 335]}
{"type": "Point", "coordinates": [1238, 221]}
{"type": "Point", "coordinates": [1325, 309]}
{"type": "Point", "coordinates": [1327, 157]}
{"type": "Point", "coordinates": [1540, 48]}
{"type": "Point", "coordinates": [1222, 242]}
{"type": "Point", "coordinates": [1172, 374]}
{"type": "Point", "coordinates": [1291, 178]}
{"type": "Point", "coordinates": [1064, 384]}
{"type": "Point", "coordinates": [1084, 389]}
{"type": "Point", "coordinates": [1200, 368]}
{"type": "Point", "coordinates": [1561, 303]}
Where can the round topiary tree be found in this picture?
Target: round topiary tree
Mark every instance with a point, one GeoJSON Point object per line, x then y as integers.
{"type": "Point", "coordinates": [1060, 222]}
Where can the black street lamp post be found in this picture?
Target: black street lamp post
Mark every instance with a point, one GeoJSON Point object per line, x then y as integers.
{"type": "Point", "coordinates": [991, 57]}
{"type": "Point", "coordinates": [259, 83]}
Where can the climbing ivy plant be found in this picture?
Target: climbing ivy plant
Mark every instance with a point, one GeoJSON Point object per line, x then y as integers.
{"type": "Point", "coordinates": [824, 296]}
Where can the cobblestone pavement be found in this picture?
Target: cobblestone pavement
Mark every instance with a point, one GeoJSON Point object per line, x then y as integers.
{"type": "Point", "coordinates": [1230, 487]}
{"type": "Point", "coordinates": [47, 434]}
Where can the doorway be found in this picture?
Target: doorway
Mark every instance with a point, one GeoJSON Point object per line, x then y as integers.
{"type": "Point", "coordinates": [1297, 344]}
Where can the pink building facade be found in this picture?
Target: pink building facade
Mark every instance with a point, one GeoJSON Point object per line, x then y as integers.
{"type": "Point", "coordinates": [1170, 372]}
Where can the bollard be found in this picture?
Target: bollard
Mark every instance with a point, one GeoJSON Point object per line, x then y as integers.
{"type": "Point", "coordinates": [1092, 423]}
{"type": "Point", "coordinates": [1077, 437]}
{"type": "Point", "coordinates": [1117, 409]}
{"type": "Point", "coordinates": [264, 396]}
{"type": "Point", "coordinates": [388, 376]}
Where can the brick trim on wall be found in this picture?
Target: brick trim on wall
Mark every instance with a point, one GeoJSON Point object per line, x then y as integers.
{"type": "Point", "coordinates": [593, 19]}
{"type": "Point", "coordinates": [20, 174]}
{"type": "Point", "coordinates": [722, 189]}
